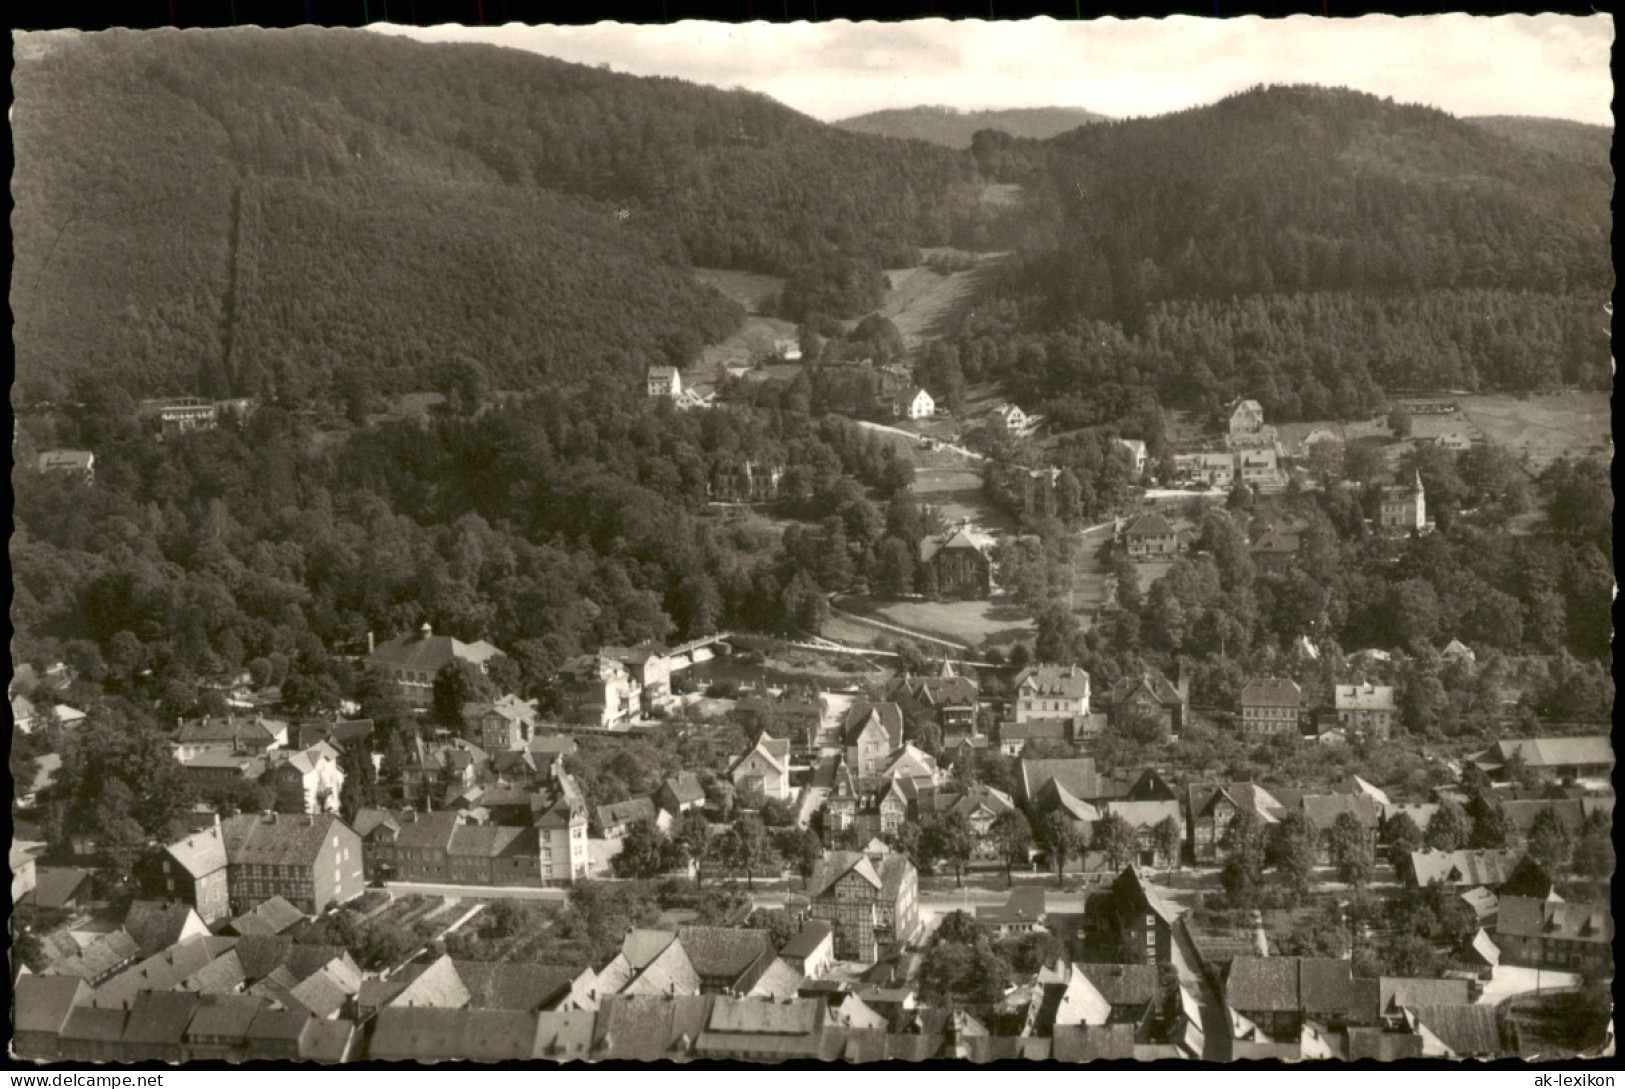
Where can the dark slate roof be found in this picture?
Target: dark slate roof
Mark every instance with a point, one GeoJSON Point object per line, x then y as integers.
{"type": "Point", "coordinates": [857, 716]}
{"type": "Point", "coordinates": [1150, 524]}
{"type": "Point", "coordinates": [272, 916]}
{"type": "Point", "coordinates": [1076, 774]}
{"type": "Point", "coordinates": [225, 1015]}
{"type": "Point", "coordinates": [1466, 1030]}
{"type": "Point", "coordinates": [1123, 984]}
{"type": "Point", "coordinates": [1271, 692]}
{"type": "Point", "coordinates": [813, 933]}
{"type": "Point", "coordinates": [649, 1028]}
{"type": "Point", "coordinates": [1322, 810]}
{"type": "Point", "coordinates": [1523, 916]}
{"type": "Point", "coordinates": [526, 987]}
{"type": "Point", "coordinates": [154, 925]}
{"type": "Point", "coordinates": [1262, 983]}
{"type": "Point", "coordinates": [95, 1023]}
{"type": "Point", "coordinates": [1148, 680]}
{"type": "Point", "coordinates": [725, 952]}
{"type": "Point", "coordinates": [1064, 682]}
{"type": "Point", "coordinates": [42, 1003]}
{"type": "Point", "coordinates": [1325, 985]}
{"type": "Point", "coordinates": [160, 1017]}
{"type": "Point", "coordinates": [56, 886]}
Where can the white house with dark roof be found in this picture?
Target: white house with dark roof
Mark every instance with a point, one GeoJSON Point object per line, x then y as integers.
{"type": "Point", "coordinates": [765, 768]}
{"type": "Point", "coordinates": [665, 382]}
{"type": "Point", "coordinates": [1367, 709]}
{"type": "Point", "coordinates": [1051, 692]}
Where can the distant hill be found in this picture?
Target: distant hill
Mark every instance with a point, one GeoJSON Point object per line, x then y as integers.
{"type": "Point", "coordinates": [254, 212]}
{"type": "Point", "coordinates": [1570, 139]}
{"type": "Point", "coordinates": [954, 128]}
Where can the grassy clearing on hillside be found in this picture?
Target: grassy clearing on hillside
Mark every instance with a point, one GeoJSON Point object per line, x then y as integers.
{"type": "Point", "coordinates": [753, 340]}
{"type": "Point", "coordinates": [1540, 429]}
{"type": "Point", "coordinates": [921, 300]}
{"type": "Point", "coordinates": [973, 623]}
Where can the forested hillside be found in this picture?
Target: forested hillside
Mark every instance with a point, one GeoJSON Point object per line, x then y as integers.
{"type": "Point", "coordinates": [251, 212]}
{"type": "Point", "coordinates": [954, 128]}
{"type": "Point", "coordinates": [1303, 246]}
{"type": "Point", "coordinates": [1575, 140]}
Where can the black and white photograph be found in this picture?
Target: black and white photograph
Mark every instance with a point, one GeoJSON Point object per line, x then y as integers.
{"type": "Point", "coordinates": [941, 542]}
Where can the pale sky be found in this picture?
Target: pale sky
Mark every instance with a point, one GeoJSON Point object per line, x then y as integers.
{"type": "Point", "coordinates": [1543, 65]}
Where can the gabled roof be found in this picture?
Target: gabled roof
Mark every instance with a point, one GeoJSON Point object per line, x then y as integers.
{"type": "Point", "coordinates": [1061, 682]}
{"type": "Point", "coordinates": [1322, 810]}
{"type": "Point", "coordinates": [1076, 774]}
{"type": "Point", "coordinates": [888, 716]}
{"type": "Point", "coordinates": [948, 691]}
{"type": "Point", "coordinates": [1124, 984]}
{"type": "Point", "coordinates": [1148, 681]}
{"type": "Point", "coordinates": [106, 954]}
{"type": "Point", "coordinates": [1465, 1030]}
{"type": "Point", "coordinates": [42, 1003]}
{"type": "Point", "coordinates": [775, 750]}
{"type": "Point", "coordinates": [1201, 797]}
{"type": "Point", "coordinates": [1398, 993]}
{"type": "Point", "coordinates": [164, 971]}
{"type": "Point", "coordinates": [633, 809]}
{"type": "Point", "coordinates": [1150, 524]}
{"type": "Point", "coordinates": [722, 952]}
{"type": "Point", "coordinates": [564, 1035]}
{"type": "Point", "coordinates": [271, 916]}
{"type": "Point", "coordinates": [1271, 692]}
{"type": "Point", "coordinates": [1092, 1043]}
{"type": "Point", "coordinates": [58, 886]}
{"type": "Point", "coordinates": [1052, 795]}
{"type": "Point", "coordinates": [1526, 917]}
{"type": "Point", "coordinates": [438, 986]}
{"type": "Point", "coordinates": [963, 539]}
{"type": "Point", "coordinates": [1263, 984]}
{"type": "Point", "coordinates": [1546, 752]}
{"type": "Point", "coordinates": [1363, 697]}
{"type": "Point", "coordinates": [1132, 883]}
{"type": "Point", "coordinates": [424, 651]}
{"type": "Point", "coordinates": [224, 1015]}
{"type": "Point", "coordinates": [1463, 867]}
{"type": "Point", "coordinates": [497, 985]}
{"type": "Point", "coordinates": [278, 840]}
{"type": "Point", "coordinates": [649, 1028]}
{"type": "Point", "coordinates": [95, 1024]}
{"type": "Point", "coordinates": [836, 865]}
{"type": "Point", "coordinates": [156, 925]}
{"type": "Point", "coordinates": [813, 933]}
{"type": "Point", "coordinates": [1145, 814]}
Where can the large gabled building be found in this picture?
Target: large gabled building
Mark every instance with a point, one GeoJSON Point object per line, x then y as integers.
{"type": "Point", "coordinates": [873, 904]}
{"type": "Point", "coordinates": [310, 860]}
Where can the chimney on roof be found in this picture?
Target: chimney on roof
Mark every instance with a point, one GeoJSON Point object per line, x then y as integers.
{"type": "Point", "coordinates": [425, 630]}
